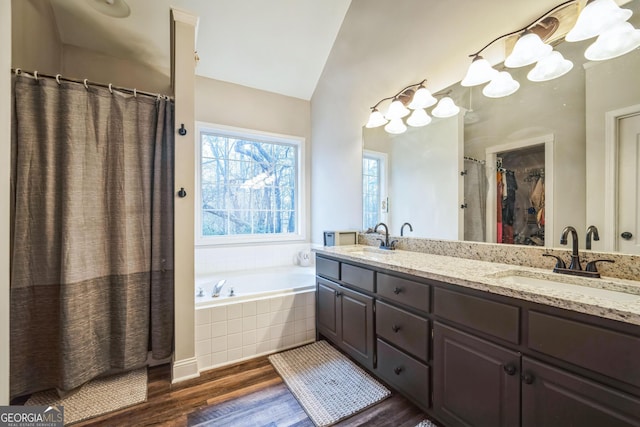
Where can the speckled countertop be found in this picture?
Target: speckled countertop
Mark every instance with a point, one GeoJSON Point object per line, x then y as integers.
{"type": "Point", "coordinates": [591, 296]}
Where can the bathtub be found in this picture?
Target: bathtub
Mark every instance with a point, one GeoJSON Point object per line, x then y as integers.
{"type": "Point", "coordinates": [272, 309]}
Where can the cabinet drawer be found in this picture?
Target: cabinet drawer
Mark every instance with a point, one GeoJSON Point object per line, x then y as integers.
{"type": "Point", "coordinates": [328, 268]}
{"type": "Point", "coordinates": [404, 373]}
{"type": "Point", "coordinates": [493, 318]}
{"type": "Point", "coordinates": [407, 331]}
{"type": "Point", "coordinates": [358, 277]}
{"type": "Point", "coordinates": [407, 292]}
{"type": "Point", "coordinates": [601, 350]}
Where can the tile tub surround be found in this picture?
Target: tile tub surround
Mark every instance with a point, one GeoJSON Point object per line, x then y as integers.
{"type": "Point", "coordinates": [625, 266]}
{"type": "Point", "coordinates": [486, 276]}
{"type": "Point", "coordinates": [229, 333]}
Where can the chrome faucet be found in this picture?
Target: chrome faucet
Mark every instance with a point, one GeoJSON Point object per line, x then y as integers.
{"type": "Point", "coordinates": [384, 244]}
{"type": "Point", "coordinates": [217, 288]}
{"type": "Point", "coordinates": [402, 228]}
{"type": "Point", "coordinates": [575, 258]}
{"type": "Point", "coordinates": [592, 230]}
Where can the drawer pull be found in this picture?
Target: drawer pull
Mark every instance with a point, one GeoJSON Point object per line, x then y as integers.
{"type": "Point", "coordinates": [397, 370]}
{"type": "Point", "coordinates": [338, 294]}
{"type": "Point", "coordinates": [509, 369]}
{"type": "Point", "coordinates": [527, 378]}
{"type": "Point", "coordinates": [397, 290]}
{"type": "Point", "coordinates": [395, 328]}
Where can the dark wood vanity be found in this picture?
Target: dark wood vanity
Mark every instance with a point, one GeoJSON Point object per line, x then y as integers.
{"type": "Point", "coordinates": [473, 358]}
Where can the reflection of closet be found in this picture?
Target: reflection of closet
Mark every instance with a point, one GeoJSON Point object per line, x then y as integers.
{"type": "Point", "coordinates": [520, 196]}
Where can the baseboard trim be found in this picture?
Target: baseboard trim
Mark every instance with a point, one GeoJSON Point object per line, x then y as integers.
{"type": "Point", "coordinates": [185, 369]}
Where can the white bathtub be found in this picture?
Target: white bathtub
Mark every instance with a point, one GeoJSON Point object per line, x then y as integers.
{"type": "Point", "coordinates": [272, 309]}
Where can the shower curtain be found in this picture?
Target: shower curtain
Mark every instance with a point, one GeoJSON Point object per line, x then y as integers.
{"type": "Point", "coordinates": [475, 196]}
{"type": "Point", "coordinates": [92, 233]}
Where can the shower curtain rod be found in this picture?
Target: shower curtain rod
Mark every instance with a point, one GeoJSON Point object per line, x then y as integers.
{"type": "Point", "coordinates": [58, 78]}
{"type": "Point", "coordinates": [482, 162]}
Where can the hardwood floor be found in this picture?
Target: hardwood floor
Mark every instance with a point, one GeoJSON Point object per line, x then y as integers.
{"type": "Point", "coordinates": [247, 394]}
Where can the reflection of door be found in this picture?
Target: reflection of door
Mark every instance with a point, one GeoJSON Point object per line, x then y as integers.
{"type": "Point", "coordinates": [628, 180]}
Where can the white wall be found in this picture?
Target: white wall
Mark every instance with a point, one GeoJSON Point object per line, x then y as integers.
{"type": "Point", "coordinates": [383, 46]}
{"type": "Point", "coordinates": [228, 104]}
{"type": "Point", "coordinates": [5, 155]}
{"type": "Point", "coordinates": [35, 41]}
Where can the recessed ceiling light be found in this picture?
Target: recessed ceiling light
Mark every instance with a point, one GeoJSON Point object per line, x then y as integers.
{"type": "Point", "coordinates": [113, 8]}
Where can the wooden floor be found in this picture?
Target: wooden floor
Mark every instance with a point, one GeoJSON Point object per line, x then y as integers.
{"type": "Point", "coordinates": [247, 394]}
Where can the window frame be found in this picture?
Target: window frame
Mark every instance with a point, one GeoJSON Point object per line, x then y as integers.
{"type": "Point", "coordinates": [383, 180]}
{"type": "Point", "coordinates": [259, 136]}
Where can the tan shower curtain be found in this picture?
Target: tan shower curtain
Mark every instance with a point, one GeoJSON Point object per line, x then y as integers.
{"type": "Point", "coordinates": [92, 233]}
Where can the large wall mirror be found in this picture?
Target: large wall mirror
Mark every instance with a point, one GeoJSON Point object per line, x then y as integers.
{"type": "Point", "coordinates": [575, 138]}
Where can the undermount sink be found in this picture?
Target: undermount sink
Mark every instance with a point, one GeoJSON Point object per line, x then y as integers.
{"type": "Point", "coordinates": [615, 291]}
{"type": "Point", "coordinates": [367, 250]}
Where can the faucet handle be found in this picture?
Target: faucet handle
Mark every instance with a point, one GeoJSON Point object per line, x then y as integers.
{"type": "Point", "coordinates": [559, 262]}
{"type": "Point", "coordinates": [591, 265]}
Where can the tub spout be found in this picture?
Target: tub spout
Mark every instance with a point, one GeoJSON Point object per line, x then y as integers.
{"type": "Point", "coordinates": [217, 288]}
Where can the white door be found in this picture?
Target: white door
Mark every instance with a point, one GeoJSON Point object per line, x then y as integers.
{"type": "Point", "coordinates": [629, 185]}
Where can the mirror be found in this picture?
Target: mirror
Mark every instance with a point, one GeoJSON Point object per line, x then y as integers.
{"type": "Point", "coordinates": [572, 119]}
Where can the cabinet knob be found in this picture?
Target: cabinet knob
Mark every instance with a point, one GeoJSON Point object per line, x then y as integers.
{"type": "Point", "coordinates": [395, 328]}
{"type": "Point", "coordinates": [527, 378]}
{"type": "Point", "coordinates": [397, 290]}
{"type": "Point", "coordinates": [338, 294]}
{"type": "Point", "coordinates": [397, 370]}
{"type": "Point", "coordinates": [509, 369]}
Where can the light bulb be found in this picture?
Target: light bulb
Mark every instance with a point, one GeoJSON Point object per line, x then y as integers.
{"type": "Point", "coordinates": [550, 67]}
{"type": "Point", "coordinates": [479, 72]}
{"type": "Point", "coordinates": [621, 39]}
{"type": "Point", "coordinates": [418, 118]}
{"type": "Point", "coordinates": [376, 119]}
{"type": "Point", "coordinates": [528, 49]}
{"type": "Point", "coordinates": [395, 126]}
{"type": "Point", "coordinates": [445, 108]}
{"type": "Point", "coordinates": [422, 99]}
{"type": "Point", "coordinates": [501, 85]}
{"type": "Point", "coordinates": [596, 17]}
{"type": "Point", "coordinates": [396, 110]}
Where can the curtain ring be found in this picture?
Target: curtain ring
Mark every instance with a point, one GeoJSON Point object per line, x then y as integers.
{"type": "Point", "coordinates": [18, 71]}
{"type": "Point", "coordinates": [58, 79]}
{"type": "Point", "coordinates": [159, 96]}
{"type": "Point", "coordinates": [135, 92]}
{"type": "Point", "coordinates": [35, 74]}
{"type": "Point", "coordinates": [86, 86]}
{"type": "Point", "coordinates": [110, 88]}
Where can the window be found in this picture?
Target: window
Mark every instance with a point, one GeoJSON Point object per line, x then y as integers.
{"type": "Point", "coordinates": [249, 186]}
{"type": "Point", "coordinates": [374, 201]}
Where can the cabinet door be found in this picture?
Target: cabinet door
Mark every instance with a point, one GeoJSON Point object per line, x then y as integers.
{"type": "Point", "coordinates": [356, 325]}
{"type": "Point", "coordinates": [553, 397]}
{"type": "Point", "coordinates": [476, 383]}
{"type": "Point", "coordinates": [327, 295]}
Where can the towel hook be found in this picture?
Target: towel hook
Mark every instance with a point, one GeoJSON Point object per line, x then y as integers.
{"type": "Point", "coordinates": [86, 86]}
{"type": "Point", "coordinates": [58, 79]}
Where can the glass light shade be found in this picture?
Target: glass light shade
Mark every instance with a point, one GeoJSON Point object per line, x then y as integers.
{"type": "Point", "coordinates": [422, 99]}
{"type": "Point", "coordinates": [376, 119]}
{"type": "Point", "coordinates": [418, 118]}
{"type": "Point", "coordinates": [395, 126]}
{"type": "Point", "coordinates": [550, 67]}
{"type": "Point", "coordinates": [621, 39]}
{"type": "Point", "coordinates": [396, 110]}
{"type": "Point", "coordinates": [445, 108]}
{"type": "Point", "coordinates": [528, 49]}
{"type": "Point", "coordinates": [501, 85]}
{"type": "Point", "coordinates": [479, 72]}
{"type": "Point", "coordinates": [596, 17]}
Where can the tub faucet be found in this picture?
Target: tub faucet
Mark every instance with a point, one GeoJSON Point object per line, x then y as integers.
{"type": "Point", "coordinates": [402, 228]}
{"type": "Point", "coordinates": [575, 258]}
{"type": "Point", "coordinates": [217, 288]}
{"type": "Point", "coordinates": [592, 230]}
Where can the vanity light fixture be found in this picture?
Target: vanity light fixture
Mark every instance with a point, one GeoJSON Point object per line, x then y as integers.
{"type": "Point", "coordinates": [416, 97]}
{"type": "Point", "coordinates": [501, 85]}
{"type": "Point", "coordinates": [620, 39]}
{"type": "Point", "coordinates": [528, 49]}
{"type": "Point", "coordinates": [479, 72]}
{"type": "Point", "coordinates": [596, 17]}
{"type": "Point", "coordinates": [550, 67]}
{"type": "Point", "coordinates": [445, 108]}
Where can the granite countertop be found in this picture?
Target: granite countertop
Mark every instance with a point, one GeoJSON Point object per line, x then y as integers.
{"type": "Point", "coordinates": [590, 296]}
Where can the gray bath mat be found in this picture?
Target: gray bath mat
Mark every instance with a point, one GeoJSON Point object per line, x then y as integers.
{"type": "Point", "coordinates": [327, 384]}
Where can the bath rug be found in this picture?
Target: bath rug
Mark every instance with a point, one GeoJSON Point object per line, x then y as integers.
{"type": "Point", "coordinates": [97, 397]}
{"type": "Point", "coordinates": [328, 385]}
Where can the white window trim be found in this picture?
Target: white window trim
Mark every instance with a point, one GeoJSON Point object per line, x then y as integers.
{"type": "Point", "coordinates": [384, 180]}
{"type": "Point", "coordinates": [301, 225]}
